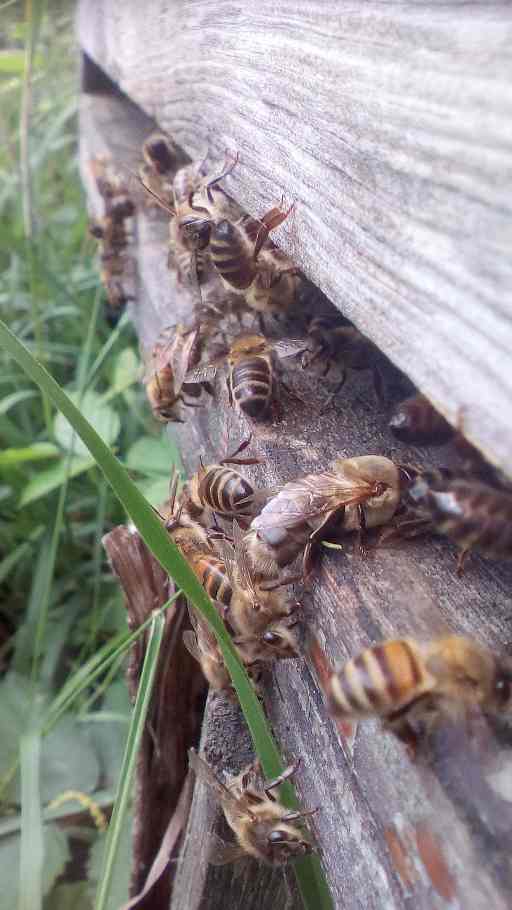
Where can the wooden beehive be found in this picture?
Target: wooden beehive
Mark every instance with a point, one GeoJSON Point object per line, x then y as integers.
{"type": "Point", "coordinates": [390, 127]}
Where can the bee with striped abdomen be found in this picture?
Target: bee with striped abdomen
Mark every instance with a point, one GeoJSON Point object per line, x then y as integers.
{"type": "Point", "coordinates": [407, 683]}
{"type": "Point", "coordinates": [473, 515]}
{"type": "Point", "coordinates": [177, 349]}
{"type": "Point", "coordinates": [358, 493]}
{"type": "Point", "coordinates": [262, 825]}
{"type": "Point", "coordinates": [220, 489]}
{"type": "Point", "coordinates": [251, 380]}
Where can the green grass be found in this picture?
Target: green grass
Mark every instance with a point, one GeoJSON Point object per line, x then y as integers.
{"type": "Point", "coordinates": [62, 623]}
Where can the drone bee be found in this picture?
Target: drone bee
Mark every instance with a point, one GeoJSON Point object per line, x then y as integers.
{"type": "Point", "coordinates": [407, 683]}
{"type": "Point", "coordinates": [262, 826]}
{"type": "Point", "coordinates": [472, 514]}
{"type": "Point", "coordinates": [416, 421]}
{"type": "Point", "coordinates": [176, 350]}
{"type": "Point", "coordinates": [251, 372]}
{"type": "Point", "coordinates": [358, 493]}
{"type": "Point", "coordinates": [336, 343]}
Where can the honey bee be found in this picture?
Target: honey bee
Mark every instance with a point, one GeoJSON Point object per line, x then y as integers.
{"type": "Point", "coordinates": [251, 378]}
{"type": "Point", "coordinates": [202, 645]}
{"type": "Point", "coordinates": [416, 421]}
{"type": "Point", "coordinates": [358, 493]}
{"type": "Point", "coordinates": [161, 159]}
{"type": "Point", "coordinates": [336, 343]}
{"type": "Point", "coordinates": [472, 514]}
{"type": "Point", "coordinates": [263, 273]}
{"type": "Point", "coordinates": [223, 490]}
{"type": "Point", "coordinates": [112, 234]}
{"type": "Point", "coordinates": [407, 683]}
{"type": "Point", "coordinates": [261, 824]}
{"type": "Point", "coordinates": [176, 350]}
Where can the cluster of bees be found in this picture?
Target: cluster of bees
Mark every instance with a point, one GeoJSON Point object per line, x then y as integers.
{"type": "Point", "coordinates": [241, 542]}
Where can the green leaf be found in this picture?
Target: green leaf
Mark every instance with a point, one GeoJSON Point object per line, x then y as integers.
{"type": "Point", "coordinates": [126, 370]}
{"type": "Point", "coordinates": [36, 452]}
{"type": "Point", "coordinates": [56, 855]}
{"type": "Point", "coordinates": [10, 401]}
{"type": "Point", "coordinates": [12, 63]}
{"type": "Point", "coordinates": [69, 896]}
{"type": "Point", "coordinates": [118, 894]}
{"type": "Point", "coordinates": [50, 479]}
{"type": "Point", "coordinates": [31, 846]}
{"type": "Point", "coordinates": [155, 491]}
{"type": "Point", "coordinates": [100, 415]}
{"type": "Point", "coordinates": [150, 455]}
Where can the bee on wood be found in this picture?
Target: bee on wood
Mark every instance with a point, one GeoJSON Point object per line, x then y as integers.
{"type": "Point", "coordinates": [220, 489]}
{"type": "Point", "coordinates": [473, 515]}
{"type": "Point", "coordinates": [264, 274]}
{"type": "Point", "coordinates": [250, 610]}
{"type": "Point", "coordinates": [177, 349]}
{"type": "Point", "coordinates": [358, 493]}
{"type": "Point", "coordinates": [417, 422]}
{"type": "Point", "coordinates": [261, 824]}
{"type": "Point", "coordinates": [161, 160]}
{"type": "Point", "coordinates": [112, 234]}
{"type": "Point", "coordinates": [409, 684]}
{"type": "Point", "coordinates": [251, 380]}
{"type": "Point", "coordinates": [333, 342]}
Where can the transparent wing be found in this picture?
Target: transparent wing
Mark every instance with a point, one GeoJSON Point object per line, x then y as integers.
{"type": "Point", "coordinates": [190, 642]}
{"type": "Point", "coordinates": [222, 853]}
{"type": "Point", "coordinates": [205, 774]}
{"type": "Point", "coordinates": [227, 554]}
{"type": "Point", "coordinates": [314, 495]}
{"type": "Point", "coordinates": [205, 372]}
{"type": "Point", "coordinates": [180, 356]}
{"type": "Point", "coordinates": [289, 347]}
{"type": "Point", "coordinates": [242, 560]}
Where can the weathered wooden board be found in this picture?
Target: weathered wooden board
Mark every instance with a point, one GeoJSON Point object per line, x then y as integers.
{"type": "Point", "coordinates": [390, 126]}
{"type": "Point", "coordinates": [392, 833]}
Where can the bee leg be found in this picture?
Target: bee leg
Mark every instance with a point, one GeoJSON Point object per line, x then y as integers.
{"type": "Point", "coordinates": [269, 221]}
{"type": "Point", "coordinates": [230, 393]}
{"type": "Point", "coordinates": [330, 398]}
{"type": "Point", "coordinates": [280, 583]}
{"type": "Point", "coordinates": [461, 560]}
{"type": "Point", "coordinates": [362, 533]}
{"type": "Point", "coordinates": [295, 816]}
{"type": "Point", "coordinates": [227, 170]}
{"type": "Point", "coordinates": [270, 785]}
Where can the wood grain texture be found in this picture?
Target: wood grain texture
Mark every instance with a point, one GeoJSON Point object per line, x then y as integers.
{"type": "Point", "coordinates": [390, 126]}
{"type": "Point", "coordinates": [392, 833]}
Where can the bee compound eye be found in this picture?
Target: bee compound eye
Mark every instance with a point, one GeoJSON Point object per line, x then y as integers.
{"type": "Point", "coordinates": [278, 837]}
{"type": "Point", "coordinates": [503, 688]}
{"type": "Point", "coordinates": [271, 638]}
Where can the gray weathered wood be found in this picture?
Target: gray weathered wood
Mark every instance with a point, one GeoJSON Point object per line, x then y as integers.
{"type": "Point", "coordinates": [390, 126]}
{"type": "Point", "coordinates": [392, 833]}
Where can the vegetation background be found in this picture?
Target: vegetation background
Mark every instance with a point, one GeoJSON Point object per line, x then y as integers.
{"type": "Point", "coordinates": [59, 603]}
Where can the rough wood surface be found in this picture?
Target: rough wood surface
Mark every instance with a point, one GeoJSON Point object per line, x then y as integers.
{"type": "Point", "coordinates": [390, 126]}
{"type": "Point", "coordinates": [393, 833]}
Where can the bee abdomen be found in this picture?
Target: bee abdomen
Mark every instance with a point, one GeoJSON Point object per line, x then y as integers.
{"type": "Point", "coordinates": [251, 384]}
{"type": "Point", "coordinates": [225, 490]}
{"type": "Point", "coordinates": [474, 515]}
{"type": "Point", "coordinates": [229, 255]}
{"type": "Point", "coordinates": [378, 681]}
{"type": "Point", "coordinates": [212, 574]}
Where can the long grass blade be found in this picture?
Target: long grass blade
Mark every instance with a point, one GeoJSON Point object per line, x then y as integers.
{"type": "Point", "coordinates": [32, 848]}
{"type": "Point", "coordinates": [123, 795]}
{"type": "Point", "coordinates": [157, 539]}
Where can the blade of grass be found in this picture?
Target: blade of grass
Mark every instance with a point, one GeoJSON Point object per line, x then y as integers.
{"type": "Point", "coordinates": [310, 878]}
{"type": "Point", "coordinates": [32, 848]}
{"type": "Point", "coordinates": [124, 789]}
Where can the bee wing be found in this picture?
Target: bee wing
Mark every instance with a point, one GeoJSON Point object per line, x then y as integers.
{"type": "Point", "coordinates": [222, 853]}
{"type": "Point", "coordinates": [289, 347]}
{"type": "Point", "coordinates": [314, 495]}
{"type": "Point", "coordinates": [205, 372]}
{"type": "Point", "coordinates": [180, 357]}
{"type": "Point", "coordinates": [228, 555]}
{"type": "Point", "coordinates": [242, 560]}
{"type": "Point", "coordinates": [205, 774]}
{"type": "Point", "coordinates": [190, 642]}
